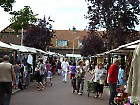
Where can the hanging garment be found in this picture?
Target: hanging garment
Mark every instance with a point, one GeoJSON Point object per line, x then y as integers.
{"type": "Point", "coordinates": [30, 59]}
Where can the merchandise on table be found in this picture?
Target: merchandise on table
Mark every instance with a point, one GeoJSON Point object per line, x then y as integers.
{"type": "Point", "coordinates": [122, 97]}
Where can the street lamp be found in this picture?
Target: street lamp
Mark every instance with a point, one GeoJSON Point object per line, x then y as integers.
{"type": "Point", "coordinates": [22, 36]}
{"type": "Point", "coordinates": [73, 47]}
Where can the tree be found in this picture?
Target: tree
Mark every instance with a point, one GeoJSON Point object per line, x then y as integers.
{"type": "Point", "coordinates": [39, 36]}
{"type": "Point", "coordinates": [92, 44]}
{"type": "Point", "coordinates": [23, 18]}
{"type": "Point", "coordinates": [7, 4]}
{"type": "Point", "coordinates": [119, 17]}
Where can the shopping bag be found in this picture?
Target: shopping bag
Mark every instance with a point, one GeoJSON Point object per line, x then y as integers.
{"type": "Point", "coordinates": [102, 82]}
{"type": "Point", "coordinates": [92, 72]}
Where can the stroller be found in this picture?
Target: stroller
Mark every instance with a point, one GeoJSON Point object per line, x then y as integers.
{"type": "Point", "coordinates": [49, 77]}
{"type": "Point", "coordinates": [91, 87]}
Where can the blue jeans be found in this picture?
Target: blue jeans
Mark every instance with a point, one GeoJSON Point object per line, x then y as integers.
{"type": "Point", "coordinates": [5, 93]}
{"type": "Point", "coordinates": [17, 78]}
{"type": "Point", "coordinates": [112, 87]}
{"type": "Point", "coordinates": [58, 71]}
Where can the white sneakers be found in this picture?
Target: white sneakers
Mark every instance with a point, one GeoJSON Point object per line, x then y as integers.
{"type": "Point", "coordinates": [80, 93]}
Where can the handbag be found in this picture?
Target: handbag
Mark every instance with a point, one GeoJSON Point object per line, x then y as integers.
{"type": "Point", "coordinates": [102, 82]}
{"type": "Point", "coordinates": [92, 72]}
{"type": "Point", "coordinates": [70, 75]}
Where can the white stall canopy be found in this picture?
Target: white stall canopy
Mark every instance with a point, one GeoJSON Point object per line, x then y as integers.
{"type": "Point", "coordinates": [51, 53]}
{"type": "Point", "coordinates": [129, 47]}
{"type": "Point", "coordinates": [73, 55]}
{"type": "Point", "coordinates": [41, 51]}
{"type": "Point", "coordinates": [30, 49]}
{"type": "Point", "coordinates": [6, 46]}
{"type": "Point", "coordinates": [24, 48]}
{"type": "Point", "coordinates": [20, 48]}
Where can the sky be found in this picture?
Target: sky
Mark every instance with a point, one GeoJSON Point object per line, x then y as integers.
{"type": "Point", "coordinates": [65, 13]}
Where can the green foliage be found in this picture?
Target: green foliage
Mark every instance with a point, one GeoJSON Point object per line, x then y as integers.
{"type": "Point", "coordinates": [119, 17]}
{"type": "Point", "coordinates": [113, 13]}
{"type": "Point", "coordinates": [22, 19]}
{"type": "Point", "coordinates": [7, 4]}
{"type": "Point", "coordinates": [92, 44]}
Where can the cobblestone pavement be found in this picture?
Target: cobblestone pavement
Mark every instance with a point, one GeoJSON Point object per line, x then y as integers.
{"type": "Point", "coordinates": [58, 94]}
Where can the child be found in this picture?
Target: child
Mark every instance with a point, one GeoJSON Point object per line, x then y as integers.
{"type": "Point", "coordinates": [48, 70]}
{"type": "Point", "coordinates": [50, 75]}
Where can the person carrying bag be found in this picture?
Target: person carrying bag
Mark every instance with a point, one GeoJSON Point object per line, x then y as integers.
{"type": "Point", "coordinates": [99, 77]}
{"type": "Point", "coordinates": [80, 77]}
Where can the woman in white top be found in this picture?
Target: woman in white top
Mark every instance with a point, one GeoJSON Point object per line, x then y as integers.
{"type": "Point", "coordinates": [99, 77]}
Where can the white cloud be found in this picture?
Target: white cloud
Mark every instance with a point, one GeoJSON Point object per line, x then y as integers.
{"type": "Point", "coordinates": [65, 13]}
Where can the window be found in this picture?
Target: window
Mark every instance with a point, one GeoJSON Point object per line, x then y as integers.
{"type": "Point", "coordinates": [62, 43]}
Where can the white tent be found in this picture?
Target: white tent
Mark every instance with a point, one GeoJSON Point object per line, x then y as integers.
{"type": "Point", "coordinates": [73, 55]}
{"type": "Point", "coordinates": [41, 51]}
{"type": "Point", "coordinates": [59, 55]}
{"type": "Point", "coordinates": [51, 53]}
{"type": "Point", "coordinates": [24, 48]}
{"type": "Point", "coordinates": [129, 47]}
{"type": "Point", "coordinates": [20, 48]}
{"type": "Point", "coordinates": [130, 44]}
{"type": "Point", "coordinates": [30, 49]}
{"type": "Point", "coordinates": [6, 46]}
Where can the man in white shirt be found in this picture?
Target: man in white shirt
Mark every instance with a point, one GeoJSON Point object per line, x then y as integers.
{"type": "Point", "coordinates": [65, 68]}
{"type": "Point", "coordinates": [87, 64]}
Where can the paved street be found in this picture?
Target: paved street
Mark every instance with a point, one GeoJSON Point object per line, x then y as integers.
{"type": "Point", "coordinates": [59, 94]}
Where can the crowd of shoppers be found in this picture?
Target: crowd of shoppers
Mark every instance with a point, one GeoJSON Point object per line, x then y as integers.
{"type": "Point", "coordinates": [10, 75]}
{"type": "Point", "coordinates": [114, 76]}
{"type": "Point", "coordinates": [43, 72]}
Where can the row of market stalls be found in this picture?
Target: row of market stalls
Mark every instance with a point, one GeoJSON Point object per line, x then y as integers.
{"type": "Point", "coordinates": [123, 50]}
{"type": "Point", "coordinates": [20, 52]}
{"type": "Point", "coordinates": [124, 53]}
{"type": "Point", "coordinates": [26, 55]}
{"type": "Point", "coordinates": [127, 48]}
{"type": "Point", "coordinates": [129, 55]}
{"type": "Point", "coordinates": [24, 49]}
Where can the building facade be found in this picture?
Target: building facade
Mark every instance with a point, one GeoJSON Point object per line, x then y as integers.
{"type": "Point", "coordinates": [67, 41]}
{"type": "Point", "coordinates": [64, 42]}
